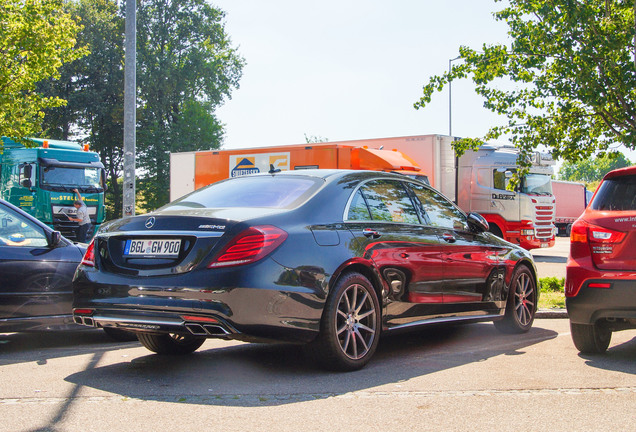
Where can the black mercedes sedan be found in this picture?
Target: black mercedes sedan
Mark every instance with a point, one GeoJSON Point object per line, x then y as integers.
{"type": "Point", "coordinates": [36, 271]}
{"type": "Point", "coordinates": [328, 258]}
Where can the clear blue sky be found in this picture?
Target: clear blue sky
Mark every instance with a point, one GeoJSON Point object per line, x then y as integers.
{"type": "Point", "coordinates": [352, 69]}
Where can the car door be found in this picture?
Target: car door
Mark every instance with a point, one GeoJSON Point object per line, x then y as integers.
{"type": "Point", "coordinates": [35, 279]}
{"type": "Point", "coordinates": [472, 269]}
{"type": "Point", "coordinates": [388, 230]}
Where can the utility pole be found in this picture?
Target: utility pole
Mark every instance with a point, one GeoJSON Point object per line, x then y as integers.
{"type": "Point", "coordinates": [450, 99]}
{"type": "Point", "coordinates": [130, 107]}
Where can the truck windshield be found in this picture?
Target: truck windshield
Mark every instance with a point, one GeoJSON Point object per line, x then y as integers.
{"type": "Point", "coordinates": [536, 184]}
{"type": "Point", "coordinates": [71, 177]}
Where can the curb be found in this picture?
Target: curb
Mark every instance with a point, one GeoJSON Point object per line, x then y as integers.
{"type": "Point", "coordinates": [552, 313]}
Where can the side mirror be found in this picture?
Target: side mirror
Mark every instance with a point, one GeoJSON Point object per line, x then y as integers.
{"type": "Point", "coordinates": [26, 174]}
{"type": "Point", "coordinates": [477, 222]}
{"type": "Point", "coordinates": [104, 182]}
{"type": "Point", "coordinates": [53, 238]}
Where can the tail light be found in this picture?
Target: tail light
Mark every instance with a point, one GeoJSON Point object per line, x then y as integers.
{"type": "Point", "coordinates": [89, 256]}
{"type": "Point", "coordinates": [587, 239]}
{"type": "Point", "coordinates": [249, 246]}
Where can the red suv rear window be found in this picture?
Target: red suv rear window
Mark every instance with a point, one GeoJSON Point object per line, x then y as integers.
{"type": "Point", "coordinates": [616, 194]}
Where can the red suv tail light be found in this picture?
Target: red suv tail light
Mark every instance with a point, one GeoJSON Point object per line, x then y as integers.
{"type": "Point", "coordinates": [89, 255]}
{"type": "Point", "coordinates": [598, 242]}
{"type": "Point", "coordinates": [249, 246]}
{"type": "Point", "coordinates": [604, 235]}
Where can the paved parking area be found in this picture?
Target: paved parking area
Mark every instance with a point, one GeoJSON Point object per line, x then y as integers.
{"type": "Point", "coordinates": [551, 261]}
{"type": "Point", "coordinates": [460, 378]}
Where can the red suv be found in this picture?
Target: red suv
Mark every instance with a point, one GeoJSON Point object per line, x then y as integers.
{"type": "Point", "coordinates": [600, 283]}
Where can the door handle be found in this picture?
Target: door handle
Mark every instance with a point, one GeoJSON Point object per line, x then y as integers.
{"type": "Point", "coordinates": [449, 238]}
{"type": "Point", "coordinates": [369, 233]}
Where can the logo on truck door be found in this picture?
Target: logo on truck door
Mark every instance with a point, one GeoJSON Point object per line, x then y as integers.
{"type": "Point", "coordinates": [504, 197]}
{"type": "Point", "coordinates": [246, 164]}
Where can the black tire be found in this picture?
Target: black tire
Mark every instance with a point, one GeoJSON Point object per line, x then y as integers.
{"type": "Point", "coordinates": [350, 325]}
{"type": "Point", "coordinates": [521, 306]}
{"type": "Point", "coordinates": [495, 230]}
{"type": "Point", "coordinates": [170, 343]}
{"type": "Point", "coordinates": [590, 338]}
{"type": "Point", "coordinates": [120, 335]}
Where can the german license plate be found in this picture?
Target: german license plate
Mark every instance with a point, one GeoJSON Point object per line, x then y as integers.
{"type": "Point", "coordinates": [152, 248]}
{"type": "Point", "coordinates": [545, 245]}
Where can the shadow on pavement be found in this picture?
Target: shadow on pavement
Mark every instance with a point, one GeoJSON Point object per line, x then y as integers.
{"type": "Point", "coordinates": [619, 358]}
{"type": "Point", "coordinates": [41, 346]}
{"type": "Point", "coordinates": [262, 375]}
{"type": "Point", "coordinates": [550, 259]}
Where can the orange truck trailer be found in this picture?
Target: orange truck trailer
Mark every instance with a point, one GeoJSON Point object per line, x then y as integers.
{"type": "Point", "coordinates": [192, 170]}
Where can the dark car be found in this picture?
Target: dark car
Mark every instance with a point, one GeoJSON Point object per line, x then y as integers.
{"type": "Point", "coordinates": [600, 283]}
{"type": "Point", "coordinates": [36, 271]}
{"type": "Point", "coordinates": [329, 258]}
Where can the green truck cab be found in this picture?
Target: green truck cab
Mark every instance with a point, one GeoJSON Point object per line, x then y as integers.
{"type": "Point", "coordinates": [40, 180]}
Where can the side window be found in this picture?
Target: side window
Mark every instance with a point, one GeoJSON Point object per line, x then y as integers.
{"type": "Point", "coordinates": [499, 178]}
{"type": "Point", "coordinates": [439, 211]}
{"type": "Point", "coordinates": [387, 200]}
{"type": "Point", "coordinates": [18, 231]}
{"type": "Point", "coordinates": [358, 209]}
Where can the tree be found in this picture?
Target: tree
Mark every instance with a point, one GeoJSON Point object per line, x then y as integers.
{"type": "Point", "coordinates": [186, 68]}
{"type": "Point", "coordinates": [593, 169]}
{"type": "Point", "coordinates": [575, 80]}
{"type": "Point", "coordinates": [93, 86]}
{"type": "Point", "coordinates": [309, 139]}
{"type": "Point", "coordinates": [36, 38]}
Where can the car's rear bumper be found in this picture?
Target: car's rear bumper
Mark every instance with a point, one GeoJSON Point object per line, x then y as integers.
{"type": "Point", "coordinates": [220, 306]}
{"type": "Point", "coordinates": [615, 301]}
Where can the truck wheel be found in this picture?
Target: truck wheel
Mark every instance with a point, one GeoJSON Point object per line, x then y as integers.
{"type": "Point", "coordinates": [350, 326]}
{"type": "Point", "coordinates": [170, 343]}
{"type": "Point", "coordinates": [590, 338]}
{"type": "Point", "coordinates": [495, 230]}
{"type": "Point", "coordinates": [521, 305]}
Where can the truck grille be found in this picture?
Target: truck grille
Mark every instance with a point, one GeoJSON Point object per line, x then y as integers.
{"type": "Point", "coordinates": [544, 220]}
{"type": "Point", "coordinates": [67, 227]}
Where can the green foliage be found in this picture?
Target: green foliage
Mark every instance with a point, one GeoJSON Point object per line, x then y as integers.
{"type": "Point", "coordinates": [93, 86]}
{"type": "Point", "coordinates": [551, 284]}
{"type": "Point", "coordinates": [573, 76]}
{"type": "Point", "coordinates": [315, 139]}
{"type": "Point", "coordinates": [187, 68]}
{"type": "Point", "coordinates": [36, 38]}
{"type": "Point", "coordinates": [593, 169]}
{"type": "Point", "coordinates": [552, 291]}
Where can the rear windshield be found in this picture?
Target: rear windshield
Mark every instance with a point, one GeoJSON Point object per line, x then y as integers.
{"type": "Point", "coordinates": [618, 194]}
{"type": "Point", "coordinates": [251, 191]}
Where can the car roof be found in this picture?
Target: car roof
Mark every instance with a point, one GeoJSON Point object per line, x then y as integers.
{"type": "Point", "coordinates": [333, 173]}
{"type": "Point", "coordinates": [621, 172]}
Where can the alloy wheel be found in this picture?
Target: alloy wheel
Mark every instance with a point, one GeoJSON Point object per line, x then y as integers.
{"type": "Point", "coordinates": [524, 299]}
{"type": "Point", "coordinates": [356, 321]}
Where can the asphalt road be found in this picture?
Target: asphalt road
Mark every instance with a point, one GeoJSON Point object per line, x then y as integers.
{"type": "Point", "coordinates": [551, 261]}
{"type": "Point", "coordinates": [445, 379]}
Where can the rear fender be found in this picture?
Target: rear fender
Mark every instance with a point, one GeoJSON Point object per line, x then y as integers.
{"type": "Point", "coordinates": [368, 270]}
